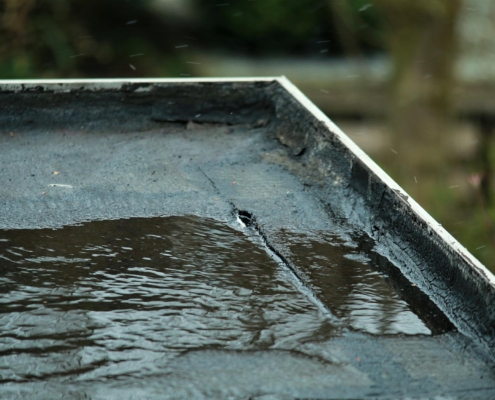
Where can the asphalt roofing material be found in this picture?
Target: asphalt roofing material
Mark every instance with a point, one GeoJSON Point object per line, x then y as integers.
{"type": "Point", "coordinates": [258, 152]}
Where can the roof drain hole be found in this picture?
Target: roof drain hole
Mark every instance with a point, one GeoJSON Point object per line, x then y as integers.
{"type": "Point", "coordinates": [246, 217]}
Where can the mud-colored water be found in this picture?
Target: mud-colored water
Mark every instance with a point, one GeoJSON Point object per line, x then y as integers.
{"type": "Point", "coordinates": [354, 291]}
{"type": "Point", "coordinates": [108, 299]}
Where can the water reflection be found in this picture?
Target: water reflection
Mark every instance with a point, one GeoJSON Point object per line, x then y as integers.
{"type": "Point", "coordinates": [112, 299]}
{"type": "Point", "coordinates": [353, 290]}
{"type": "Point", "coordinates": [115, 298]}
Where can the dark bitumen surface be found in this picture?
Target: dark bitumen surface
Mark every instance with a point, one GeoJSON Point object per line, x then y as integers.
{"type": "Point", "coordinates": [135, 154]}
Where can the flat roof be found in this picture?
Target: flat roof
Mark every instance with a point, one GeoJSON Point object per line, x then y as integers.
{"type": "Point", "coordinates": [258, 150]}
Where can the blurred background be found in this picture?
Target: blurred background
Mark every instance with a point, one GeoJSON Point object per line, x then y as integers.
{"type": "Point", "coordinates": [412, 82]}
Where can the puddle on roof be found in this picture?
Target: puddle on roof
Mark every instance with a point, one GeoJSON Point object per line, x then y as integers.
{"type": "Point", "coordinates": [112, 298]}
{"type": "Point", "coordinates": [351, 288]}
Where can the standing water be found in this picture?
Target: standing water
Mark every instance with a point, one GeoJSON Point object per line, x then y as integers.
{"type": "Point", "coordinates": [108, 299]}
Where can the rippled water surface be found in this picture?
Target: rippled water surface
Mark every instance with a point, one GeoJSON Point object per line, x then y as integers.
{"type": "Point", "coordinates": [119, 297]}
{"type": "Point", "coordinates": [111, 299]}
{"type": "Point", "coordinates": [352, 289]}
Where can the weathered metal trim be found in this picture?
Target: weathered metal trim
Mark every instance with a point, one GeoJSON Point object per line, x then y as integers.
{"type": "Point", "coordinates": [64, 85]}
{"type": "Point", "coordinates": [385, 178]}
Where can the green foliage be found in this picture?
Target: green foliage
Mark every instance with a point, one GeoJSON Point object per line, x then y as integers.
{"type": "Point", "coordinates": [288, 26]}
{"type": "Point", "coordinates": [70, 38]}
{"type": "Point", "coordinates": [274, 26]}
{"type": "Point", "coordinates": [94, 38]}
{"type": "Point", "coordinates": [292, 20]}
{"type": "Point", "coordinates": [369, 23]}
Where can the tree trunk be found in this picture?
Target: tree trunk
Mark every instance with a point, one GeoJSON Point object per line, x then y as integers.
{"type": "Point", "coordinates": [422, 40]}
